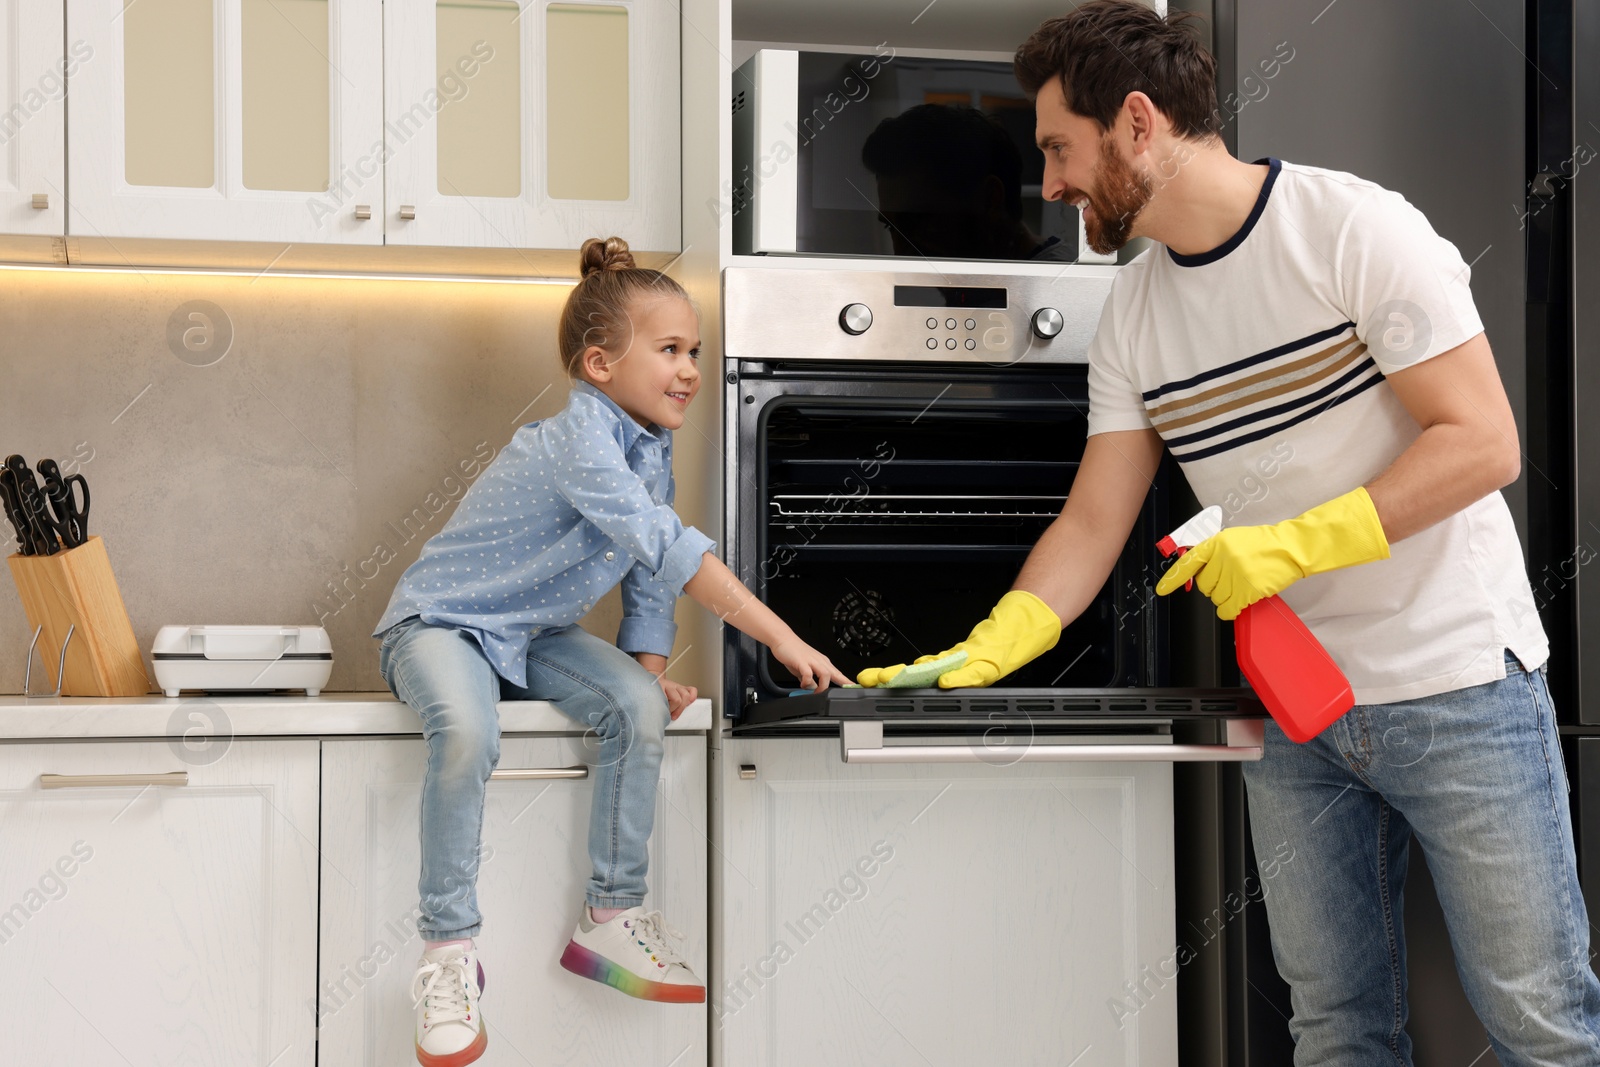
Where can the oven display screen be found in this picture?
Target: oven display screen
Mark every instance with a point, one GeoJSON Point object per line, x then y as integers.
{"type": "Point", "coordinates": [947, 296]}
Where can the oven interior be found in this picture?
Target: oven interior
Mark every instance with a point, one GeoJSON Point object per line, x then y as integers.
{"type": "Point", "coordinates": [889, 525]}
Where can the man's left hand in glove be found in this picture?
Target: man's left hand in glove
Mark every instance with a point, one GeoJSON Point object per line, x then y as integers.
{"type": "Point", "coordinates": [1244, 564]}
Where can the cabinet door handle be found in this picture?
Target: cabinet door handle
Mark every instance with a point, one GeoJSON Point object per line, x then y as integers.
{"type": "Point", "coordinates": [71, 781]}
{"type": "Point", "coordinates": [408, 211]}
{"type": "Point", "coordinates": [529, 774]}
{"type": "Point", "coordinates": [41, 201]}
{"type": "Point", "coordinates": [862, 742]}
{"type": "Point", "coordinates": [363, 211]}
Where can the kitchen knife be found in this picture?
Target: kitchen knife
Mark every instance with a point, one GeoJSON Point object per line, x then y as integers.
{"type": "Point", "coordinates": [34, 508]}
{"type": "Point", "coordinates": [1298, 682]}
{"type": "Point", "coordinates": [13, 506]}
{"type": "Point", "coordinates": [72, 521]}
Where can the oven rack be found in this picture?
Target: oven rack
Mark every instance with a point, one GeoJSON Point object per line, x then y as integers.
{"type": "Point", "coordinates": [911, 472]}
{"type": "Point", "coordinates": [885, 509]}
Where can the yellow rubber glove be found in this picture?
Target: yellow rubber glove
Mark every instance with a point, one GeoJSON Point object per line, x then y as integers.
{"type": "Point", "coordinates": [1019, 629]}
{"type": "Point", "coordinates": [1244, 564]}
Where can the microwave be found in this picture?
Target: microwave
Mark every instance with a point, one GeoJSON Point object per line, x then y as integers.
{"type": "Point", "coordinates": [887, 155]}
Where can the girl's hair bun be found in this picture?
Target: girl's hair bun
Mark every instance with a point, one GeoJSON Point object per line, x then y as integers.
{"type": "Point", "coordinates": [609, 253]}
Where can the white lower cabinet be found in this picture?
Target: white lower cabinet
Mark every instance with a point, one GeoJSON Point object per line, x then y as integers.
{"type": "Point", "coordinates": [530, 889]}
{"type": "Point", "coordinates": [946, 914]}
{"type": "Point", "coordinates": [171, 923]}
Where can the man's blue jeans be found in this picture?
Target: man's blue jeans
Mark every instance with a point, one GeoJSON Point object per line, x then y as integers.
{"type": "Point", "coordinates": [442, 673]}
{"type": "Point", "coordinates": [1477, 775]}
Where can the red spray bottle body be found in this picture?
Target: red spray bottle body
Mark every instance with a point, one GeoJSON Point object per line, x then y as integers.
{"type": "Point", "coordinates": [1298, 682]}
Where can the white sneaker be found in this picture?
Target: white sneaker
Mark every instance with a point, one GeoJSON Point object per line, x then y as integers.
{"type": "Point", "coordinates": [445, 994]}
{"type": "Point", "coordinates": [631, 954]}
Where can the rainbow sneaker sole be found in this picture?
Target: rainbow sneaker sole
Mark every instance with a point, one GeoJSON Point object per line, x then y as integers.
{"type": "Point", "coordinates": [470, 1054]}
{"type": "Point", "coordinates": [586, 963]}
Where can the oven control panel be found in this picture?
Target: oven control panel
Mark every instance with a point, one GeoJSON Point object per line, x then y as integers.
{"type": "Point", "coordinates": [778, 313]}
{"type": "Point", "coordinates": [954, 332]}
{"type": "Point", "coordinates": [957, 332]}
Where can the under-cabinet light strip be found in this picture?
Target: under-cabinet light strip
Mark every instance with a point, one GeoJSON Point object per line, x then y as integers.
{"type": "Point", "coordinates": [341, 275]}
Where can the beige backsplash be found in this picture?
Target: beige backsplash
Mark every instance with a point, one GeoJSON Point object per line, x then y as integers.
{"type": "Point", "coordinates": [294, 479]}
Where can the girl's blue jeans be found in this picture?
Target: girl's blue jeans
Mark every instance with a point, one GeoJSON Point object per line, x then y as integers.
{"type": "Point", "coordinates": [1477, 776]}
{"type": "Point", "coordinates": [442, 673]}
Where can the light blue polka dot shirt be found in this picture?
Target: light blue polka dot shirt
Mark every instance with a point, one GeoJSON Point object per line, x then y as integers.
{"type": "Point", "coordinates": [571, 506]}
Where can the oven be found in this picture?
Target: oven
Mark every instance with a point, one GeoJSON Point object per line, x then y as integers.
{"type": "Point", "coordinates": [895, 444]}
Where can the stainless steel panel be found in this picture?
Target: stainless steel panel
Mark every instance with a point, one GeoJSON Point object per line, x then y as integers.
{"type": "Point", "coordinates": [773, 313]}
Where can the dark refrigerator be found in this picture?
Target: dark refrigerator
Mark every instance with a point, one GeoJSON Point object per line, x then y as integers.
{"type": "Point", "coordinates": [1486, 116]}
{"type": "Point", "coordinates": [1563, 226]}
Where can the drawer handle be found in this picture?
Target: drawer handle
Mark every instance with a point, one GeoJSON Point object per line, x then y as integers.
{"type": "Point", "coordinates": [69, 781]}
{"type": "Point", "coordinates": [862, 742]}
{"type": "Point", "coordinates": [531, 774]}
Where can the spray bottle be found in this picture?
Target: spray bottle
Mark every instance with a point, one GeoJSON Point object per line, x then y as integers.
{"type": "Point", "coordinates": [1284, 663]}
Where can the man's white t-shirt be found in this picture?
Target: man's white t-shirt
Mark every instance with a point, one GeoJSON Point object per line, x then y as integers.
{"type": "Point", "coordinates": [1262, 366]}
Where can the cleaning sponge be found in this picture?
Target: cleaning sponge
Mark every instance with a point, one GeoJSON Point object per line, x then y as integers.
{"type": "Point", "coordinates": [921, 675]}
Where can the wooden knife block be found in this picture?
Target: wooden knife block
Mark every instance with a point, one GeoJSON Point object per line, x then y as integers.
{"type": "Point", "coordinates": [75, 587]}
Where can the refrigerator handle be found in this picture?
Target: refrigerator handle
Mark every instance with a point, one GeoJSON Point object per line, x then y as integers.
{"type": "Point", "coordinates": [861, 741]}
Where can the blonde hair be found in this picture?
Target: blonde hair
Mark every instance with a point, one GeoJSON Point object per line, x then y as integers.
{"type": "Point", "coordinates": [596, 312]}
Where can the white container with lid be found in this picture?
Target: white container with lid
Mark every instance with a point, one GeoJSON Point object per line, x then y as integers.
{"type": "Point", "coordinates": [242, 658]}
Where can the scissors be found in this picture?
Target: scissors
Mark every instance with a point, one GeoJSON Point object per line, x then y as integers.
{"type": "Point", "coordinates": [71, 521]}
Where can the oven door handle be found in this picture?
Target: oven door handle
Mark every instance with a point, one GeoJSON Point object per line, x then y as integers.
{"type": "Point", "coordinates": [861, 741]}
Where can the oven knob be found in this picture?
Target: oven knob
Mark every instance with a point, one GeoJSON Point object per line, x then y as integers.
{"type": "Point", "coordinates": [1047, 322]}
{"type": "Point", "coordinates": [855, 318]}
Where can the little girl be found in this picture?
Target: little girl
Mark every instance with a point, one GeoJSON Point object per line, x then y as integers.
{"type": "Point", "coordinates": [572, 506]}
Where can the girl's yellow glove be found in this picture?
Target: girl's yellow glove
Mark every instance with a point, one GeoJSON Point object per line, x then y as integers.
{"type": "Point", "coordinates": [1244, 564]}
{"type": "Point", "coordinates": [1019, 629]}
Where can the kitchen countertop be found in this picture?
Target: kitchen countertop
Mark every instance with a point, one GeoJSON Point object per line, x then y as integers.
{"type": "Point", "coordinates": [275, 715]}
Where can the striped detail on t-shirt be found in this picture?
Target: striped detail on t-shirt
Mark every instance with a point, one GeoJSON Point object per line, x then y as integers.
{"type": "Point", "coordinates": [1260, 395]}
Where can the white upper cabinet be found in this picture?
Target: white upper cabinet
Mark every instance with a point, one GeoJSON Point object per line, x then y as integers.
{"type": "Point", "coordinates": [231, 120]}
{"type": "Point", "coordinates": [33, 69]}
{"type": "Point", "coordinates": [532, 124]}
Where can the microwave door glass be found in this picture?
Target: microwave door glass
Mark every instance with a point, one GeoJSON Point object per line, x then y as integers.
{"type": "Point", "coordinates": [929, 158]}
